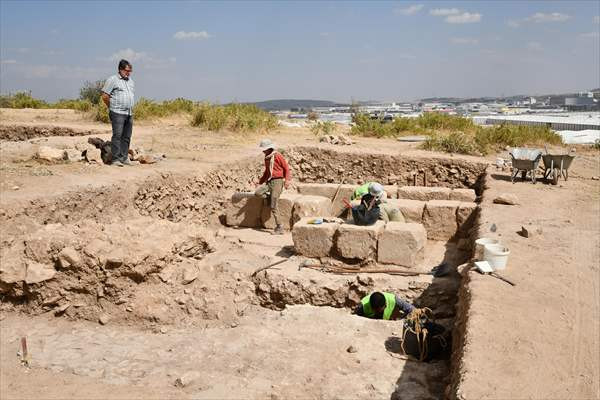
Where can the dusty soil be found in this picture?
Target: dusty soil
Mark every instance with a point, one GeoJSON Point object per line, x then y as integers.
{"type": "Point", "coordinates": [283, 333]}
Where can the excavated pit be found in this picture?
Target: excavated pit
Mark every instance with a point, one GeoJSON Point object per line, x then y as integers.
{"type": "Point", "coordinates": [156, 254]}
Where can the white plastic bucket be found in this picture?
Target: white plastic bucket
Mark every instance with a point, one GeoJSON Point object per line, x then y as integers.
{"type": "Point", "coordinates": [480, 244]}
{"type": "Point", "coordinates": [496, 255]}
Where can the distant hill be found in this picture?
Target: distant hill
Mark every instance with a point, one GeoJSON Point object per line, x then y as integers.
{"type": "Point", "coordinates": [287, 104]}
{"type": "Point", "coordinates": [558, 99]}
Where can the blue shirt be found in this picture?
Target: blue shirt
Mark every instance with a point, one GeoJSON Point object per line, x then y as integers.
{"type": "Point", "coordinates": [120, 91]}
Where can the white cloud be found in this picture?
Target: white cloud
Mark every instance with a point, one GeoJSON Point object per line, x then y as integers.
{"type": "Point", "coordinates": [552, 17]}
{"type": "Point", "coordinates": [182, 35]}
{"type": "Point", "coordinates": [464, 40]}
{"type": "Point", "coordinates": [8, 61]}
{"type": "Point", "coordinates": [444, 11]}
{"type": "Point", "coordinates": [537, 46]}
{"type": "Point", "coordinates": [513, 23]}
{"type": "Point", "coordinates": [145, 59]}
{"type": "Point", "coordinates": [129, 55]}
{"type": "Point", "coordinates": [411, 10]}
{"type": "Point", "coordinates": [44, 71]}
{"type": "Point", "coordinates": [538, 18]}
{"type": "Point", "coordinates": [597, 19]}
{"type": "Point", "coordinates": [590, 35]}
{"type": "Point", "coordinates": [464, 18]}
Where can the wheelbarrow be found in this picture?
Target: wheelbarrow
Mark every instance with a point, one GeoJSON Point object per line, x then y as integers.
{"type": "Point", "coordinates": [556, 165]}
{"type": "Point", "coordinates": [525, 161]}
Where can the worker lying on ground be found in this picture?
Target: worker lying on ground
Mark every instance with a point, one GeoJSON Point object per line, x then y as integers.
{"type": "Point", "coordinates": [384, 305]}
{"type": "Point", "coordinates": [372, 206]}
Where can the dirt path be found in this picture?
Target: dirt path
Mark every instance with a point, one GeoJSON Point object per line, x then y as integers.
{"type": "Point", "coordinates": [541, 338]}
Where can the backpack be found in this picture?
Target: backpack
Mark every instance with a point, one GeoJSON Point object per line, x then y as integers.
{"type": "Point", "coordinates": [362, 215]}
{"type": "Point", "coordinates": [423, 338]}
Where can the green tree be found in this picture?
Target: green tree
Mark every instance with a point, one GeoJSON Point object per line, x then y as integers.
{"type": "Point", "coordinates": [91, 91]}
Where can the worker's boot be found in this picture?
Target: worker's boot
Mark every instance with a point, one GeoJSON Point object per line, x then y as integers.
{"type": "Point", "coordinates": [278, 230]}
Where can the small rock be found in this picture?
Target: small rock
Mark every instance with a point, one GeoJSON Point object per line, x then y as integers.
{"type": "Point", "coordinates": [93, 155]}
{"type": "Point", "coordinates": [15, 188]}
{"type": "Point", "coordinates": [187, 378]}
{"type": "Point", "coordinates": [530, 232]}
{"type": "Point", "coordinates": [351, 349]}
{"type": "Point", "coordinates": [493, 228]}
{"type": "Point", "coordinates": [190, 273]}
{"type": "Point", "coordinates": [146, 159]}
{"type": "Point", "coordinates": [128, 309]}
{"type": "Point", "coordinates": [62, 309]}
{"type": "Point", "coordinates": [596, 178]}
{"type": "Point", "coordinates": [104, 319]}
{"type": "Point", "coordinates": [163, 330]}
{"type": "Point", "coordinates": [51, 154]}
{"type": "Point", "coordinates": [508, 199]}
{"type": "Point", "coordinates": [73, 155]}
{"type": "Point", "coordinates": [37, 272]}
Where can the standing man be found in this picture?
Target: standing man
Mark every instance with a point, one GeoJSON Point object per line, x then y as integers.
{"type": "Point", "coordinates": [275, 177]}
{"type": "Point", "coordinates": [117, 94]}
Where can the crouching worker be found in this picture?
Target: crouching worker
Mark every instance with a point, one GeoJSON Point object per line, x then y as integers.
{"type": "Point", "coordinates": [373, 205]}
{"type": "Point", "coordinates": [384, 305]}
{"type": "Point", "coordinates": [274, 179]}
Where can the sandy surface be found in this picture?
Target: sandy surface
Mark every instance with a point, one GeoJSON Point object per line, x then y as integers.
{"type": "Point", "coordinates": [537, 340]}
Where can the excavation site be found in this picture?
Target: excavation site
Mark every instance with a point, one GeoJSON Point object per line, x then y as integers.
{"type": "Point", "coordinates": [170, 282]}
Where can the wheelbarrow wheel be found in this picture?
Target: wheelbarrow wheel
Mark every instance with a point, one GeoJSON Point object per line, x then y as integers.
{"type": "Point", "coordinates": [555, 174]}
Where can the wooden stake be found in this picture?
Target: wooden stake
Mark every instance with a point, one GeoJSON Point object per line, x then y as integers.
{"type": "Point", "coordinates": [24, 352]}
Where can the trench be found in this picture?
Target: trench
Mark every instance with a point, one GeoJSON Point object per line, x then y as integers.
{"type": "Point", "coordinates": [19, 133]}
{"type": "Point", "coordinates": [154, 253]}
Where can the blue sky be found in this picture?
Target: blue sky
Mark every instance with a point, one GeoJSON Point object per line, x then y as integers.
{"type": "Point", "coordinates": [249, 51]}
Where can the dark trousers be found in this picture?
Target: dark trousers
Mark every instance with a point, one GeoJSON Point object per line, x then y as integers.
{"type": "Point", "coordinates": [122, 126]}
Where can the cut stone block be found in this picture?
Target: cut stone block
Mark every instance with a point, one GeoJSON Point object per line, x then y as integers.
{"type": "Point", "coordinates": [402, 244]}
{"type": "Point", "coordinates": [311, 206]}
{"type": "Point", "coordinates": [328, 190]}
{"type": "Point", "coordinates": [313, 240]}
{"type": "Point", "coordinates": [424, 193]}
{"type": "Point", "coordinates": [465, 216]}
{"type": "Point", "coordinates": [467, 195]}
{"type": "Point", "coordinates": [244, 210]}
{"type": "Point", "coordinates": [285, 208]}
{"type": "Point", "coordinates": [412, 210]}
{"type": "Point", "coordinates": [439, 219]}
{"type": "Point", "coordinates": [358, 242]}
{"type": "Point", "coordinates": [391, 191]}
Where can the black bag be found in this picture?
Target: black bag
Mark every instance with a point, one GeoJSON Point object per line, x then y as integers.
{"type": "Point", "coordinates": [431, 341]}
{"type": "Point", "coordinates": [362, 214]}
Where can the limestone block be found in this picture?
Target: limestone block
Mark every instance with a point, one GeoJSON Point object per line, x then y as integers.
{"type": "Point", "coordinates": [311, 206]}
{"type": "Point", "coordinates": [51, 154]}
{"type": "Point", "coordinates": [412, 210]}
{"type": "Point", "coordinates": [402, 244]}
{"type": "Point", "coordinates": [285, 208]}
{"type": "Point", "coordinates": [439, 219]}
{"type": "Point", "coordinates": [467, 195]}
{"type": "Point", "coordinates": [244, 210]}
{"type": "Point", "coordinates": [391, 191]}
{"type": "Point", "coordinates": [313, 240]}
{"type": "Point", "coordinates": [69, 258]}
{"type": "Point", "coordinates": [359, 242]}
{"type": "Point", "coordinates": [328, 190]}
{"type": "Point", "coordinates": [424, 193]}
{"type": "Point", "coordinates": [465, 216]}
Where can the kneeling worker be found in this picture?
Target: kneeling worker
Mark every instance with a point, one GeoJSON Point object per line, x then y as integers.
{"type": "Point", "coordinates": [384, 305]}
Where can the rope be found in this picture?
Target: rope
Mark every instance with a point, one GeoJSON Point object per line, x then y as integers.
{"type": "Point", "coordinates": [415, 318]}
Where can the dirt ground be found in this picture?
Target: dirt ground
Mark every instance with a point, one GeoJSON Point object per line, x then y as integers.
{"type": "Point", "coordinates": [537, 340]}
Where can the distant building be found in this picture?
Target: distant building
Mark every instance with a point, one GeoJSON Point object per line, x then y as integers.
{"type": "Point", "coordinates": [582, 103]}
